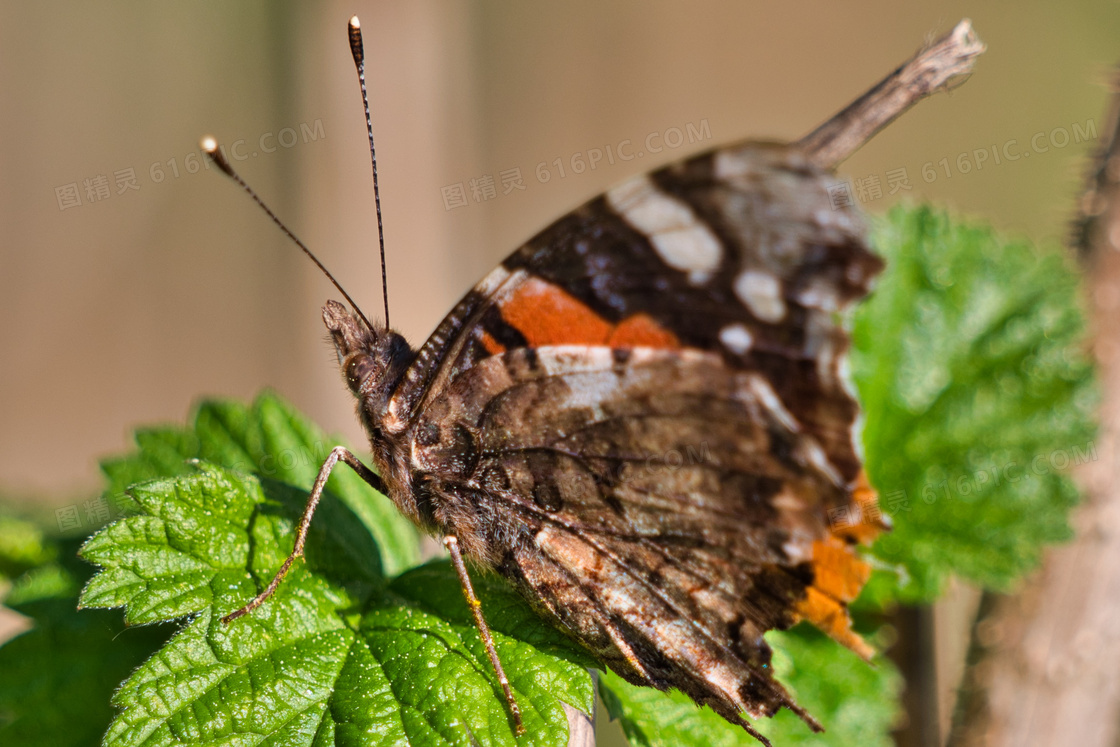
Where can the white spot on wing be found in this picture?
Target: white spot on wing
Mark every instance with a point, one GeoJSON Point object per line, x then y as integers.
{"type": "Point", "coordinates": [797, 552]}
{"type": "Point", "coordinates": [808, 448]}
{"type": "Point", "coordinates": [736, 338]}
{"type": "Point", "coordinates": [844, 373]}
{"type": "Point", "coordinates": [680, 238]}
{"type": "Point", "coordinates": [492, 281]}
{"type": "Point", "coordinates": [730, 164]}
{"type": "Point", "coordinates": [762, 294]}
{"type": "Point", "coordinates": [559, 360]}
{"type": "Point", "coordinates": [820, 345]}
{"type": "Point", "coordinates": [820, 294]}
{"type": "Point", "coordinates": [765, 394]}
{"type": "Point", "coordinates": [814, 454]}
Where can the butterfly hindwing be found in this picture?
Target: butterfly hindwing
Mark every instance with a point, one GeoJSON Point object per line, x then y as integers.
{"type": "Point", "coordinates": [663, 481]}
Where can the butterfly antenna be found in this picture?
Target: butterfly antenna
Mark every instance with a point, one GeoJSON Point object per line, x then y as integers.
{"type": "Point", "coordinates": [356, 49]}
{"type": "Point", "coordinates": [210, 147]}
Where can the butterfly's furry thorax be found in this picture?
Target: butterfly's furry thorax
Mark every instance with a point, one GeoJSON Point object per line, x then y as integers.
{"type": "Point", "coordinates": [374, 362]}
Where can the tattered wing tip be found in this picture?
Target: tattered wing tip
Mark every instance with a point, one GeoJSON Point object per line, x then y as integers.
{"type": "Point", "coordinates": [755, 732]}
{"type": "Point", "coordinates": [832, 618]}
{"type": "Point", "coordinates": [789, 704]}
{"type": "Point", "coordinates": [804, 715]}
{"type": "Point", "coordinates": [838, 577]}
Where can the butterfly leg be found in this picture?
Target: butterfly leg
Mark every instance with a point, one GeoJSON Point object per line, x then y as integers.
{"type": "Point", "coordinates": [452, 545]}
{"type": "Point", "coordinates": [338, 453]}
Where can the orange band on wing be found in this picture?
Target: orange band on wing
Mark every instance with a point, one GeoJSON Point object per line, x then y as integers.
{"type": "Point", "coordinates": [838, 572]}
{"type": "Point", "coordinates": [641, 331]}
{"type": "Point", "coordinates": [838, 577]}
{"type": "Point", "coordinates": [863, 520]}
{"type": "Point", "coordinates": [492, 346]}
{"type": "Point", "coordinates": [832, 618]}
{"type": "Point", "coordinates": [546, 314]}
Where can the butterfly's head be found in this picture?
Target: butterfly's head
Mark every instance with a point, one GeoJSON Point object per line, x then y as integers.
{"type": "Point", "coordinates": [372, 359]}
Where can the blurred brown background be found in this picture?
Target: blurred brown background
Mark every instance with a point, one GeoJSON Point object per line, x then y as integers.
{"type": "Point", "coordinates": [162, 288]}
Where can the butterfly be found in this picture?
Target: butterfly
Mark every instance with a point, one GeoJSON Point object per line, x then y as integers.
{"type": "Point", "coordinates": [641, 420]}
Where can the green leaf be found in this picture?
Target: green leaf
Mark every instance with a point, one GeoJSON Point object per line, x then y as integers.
{"type": "Point", "coordinates": [58, 677]}
{"type": "Point", "coordinates": [23, 545]}
{"type": "Point", "coordinates": [269, 439]}
{"type": "Point", "coordinates": [970, 359]}
{"type": "Point", "coordinates": [338, 655]}
{"type": "Point", "coordinates": [856, 703]}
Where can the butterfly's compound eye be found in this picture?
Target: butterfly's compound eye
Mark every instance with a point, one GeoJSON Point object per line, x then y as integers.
{"type": "Point", "coordinates": [359, 367]}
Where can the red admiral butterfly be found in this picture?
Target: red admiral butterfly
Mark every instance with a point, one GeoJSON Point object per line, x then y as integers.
{"type": "Point", "coordinates": [640, 419]}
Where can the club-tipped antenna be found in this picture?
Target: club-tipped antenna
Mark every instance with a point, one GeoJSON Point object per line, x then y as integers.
{"type": "Point", "coordinates": [357, 50]}
{"type": "Point", "coordinates": [210, 147]}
